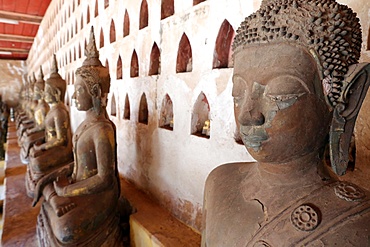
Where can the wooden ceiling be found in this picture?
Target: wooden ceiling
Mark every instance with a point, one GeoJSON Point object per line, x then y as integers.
{"type": "Point", "coordinates": [18, 38]}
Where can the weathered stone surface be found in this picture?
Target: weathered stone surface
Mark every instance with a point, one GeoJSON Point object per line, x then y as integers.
{"type": "Point", "coordinates": [19, 216]}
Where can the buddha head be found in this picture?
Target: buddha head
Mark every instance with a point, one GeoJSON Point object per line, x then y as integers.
{"type": "Point", "coordinates": [38, 89]}
{"type": "Point", "coordinates": [92, 80]}
{"type": "Point", "coordinates": [55, 86]}
{"type": "Point", "coordinates": [297, 83]}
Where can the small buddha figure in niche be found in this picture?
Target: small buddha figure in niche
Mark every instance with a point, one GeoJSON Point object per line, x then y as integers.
{"type": "Point", "coordinates": [56, 149]}
{"type": "Point", "coordinates": [37, 133]}
{"type": "Point", "coordinates": [297, 88]}
{"type": "Point", "coordinates": [81, 209]}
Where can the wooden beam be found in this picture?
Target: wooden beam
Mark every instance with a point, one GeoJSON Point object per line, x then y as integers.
{"type": "Point", "coordinates": [15, 50]}
{"type": "Point", "coordinates": [16, 38]}
{"type": "Point", "coordinates": [31, 19]}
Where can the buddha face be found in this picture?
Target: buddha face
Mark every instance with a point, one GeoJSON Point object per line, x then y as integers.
{"type": "Point", "coordinates": [278, 102]}
{"type": "Point", "coordinates": [81, 95]}
{"type": "Point", "coordinates": [37, 93]}
{"type": "Point", "coordinates": [51, 94]}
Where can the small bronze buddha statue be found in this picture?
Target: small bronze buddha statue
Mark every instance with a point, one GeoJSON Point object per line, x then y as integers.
{"type": "Point", "coordinates": [298, 87]}
{"type": "Point", "coordinates": [56, 149]}
{"type": "Point", "coordinates": [37, 133]}
{"type": "Point", "coordinates": [81, 209]}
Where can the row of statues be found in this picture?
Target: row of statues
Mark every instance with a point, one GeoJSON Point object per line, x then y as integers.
{"type": "Point", "coordinates": [297, 89]}
{"type": "Point", "coordinates": [76, 176]}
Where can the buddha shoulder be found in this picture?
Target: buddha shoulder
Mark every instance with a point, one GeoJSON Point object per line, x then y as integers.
{"type": "Point", "coordinates": [230, 172]}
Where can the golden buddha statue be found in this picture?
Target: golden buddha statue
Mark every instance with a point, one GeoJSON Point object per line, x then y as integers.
{"type": "Point", "coordinates": [81, 209]}
{"type": "Point", "coordinates": [37, 133]}
{"type": "Point", "coordinates": [56, 150]}
{"type": "Point", "coordinates": [297, 88]}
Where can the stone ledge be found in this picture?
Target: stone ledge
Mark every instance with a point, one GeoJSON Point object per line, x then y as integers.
{"type": "Point", "coordinates": [20, 217]}
{"type": "Point", "coordinates": [152, 225]}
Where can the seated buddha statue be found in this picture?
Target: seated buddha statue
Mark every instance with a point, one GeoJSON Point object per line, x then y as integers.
{"type": "Point", "coordinates": [37, 133]}
{"type": "Point", "coordinates": [56, 148]}
{"type": "Point", "coordinates": [26, 117]}
{"type": "Point", "coordinates": [81, 209]}
{"type": "Point", "coordinates": [297, 88]}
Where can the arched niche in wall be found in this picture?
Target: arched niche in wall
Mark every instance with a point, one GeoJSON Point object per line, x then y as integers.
{"type": "Point", "coordinates": [88, 15]}
{"type": "Point", "coordinates": [134, 69]}
{"type": "Point", "coordinates": [126, 112]}
{"type": "Point", "coordinates": [119, 68]}
{"type": "Point", "coordinates": [106, 3]}
{"type": "Point", "coordinates": [166, 117]}
{"type": "Point", "coordinates": [78, 2]}
{"type": "Point", "coordinates": [82, 22]}
{"type": "Point", "coordinates": [143, 110]}
{"type": "Point", "coordinates": [67, 37]}
{"type": "Point", "coordinates": [126, 24]}
{"type": "Point", "coordinates": [76, 27]}
{"type": "Point", "coordinates": [167, 8]}
{"type": "Point", "coordinates": [112, 34]}
{"type": "Point", "coordinates": [79, 51]}
{"type": "Point", "coordinates": [74, 54]}
{"type": "Point", "coordinates": [107, 65]}
{"type": "Point", "coordinates": [184, 61]}
{"type": "Point", "coordinates": [96, 8]}
{"type": "Point", "coordinates": [66, 100]}
{"type": "Point", "coordinates": [200, 119]}
{"type": "Point", "coordinates": [222, 53]}
{"type": "Point", "coordinates": [155, 61]}
{"type": "Point", "coordinates": [144, 15]}
{"type": "Point", "coordinates": [195, 2]}
{"type": "Point", "coordinates": [101, 44]}
{"type": "Point", "coordinates": [113, 109]}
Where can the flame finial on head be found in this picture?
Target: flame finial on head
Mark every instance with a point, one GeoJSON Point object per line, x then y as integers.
{"type": "Point", "coordinates": [54, 65]}
{"type": "Point", "coordinates": [33, 78]}
{"type": "Point", "coordinates": [91, 52]}
{"type": "Point", "coordinates": [41, 75]}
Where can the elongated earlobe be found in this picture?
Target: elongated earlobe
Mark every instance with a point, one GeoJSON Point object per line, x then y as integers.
{"type": "Point", "coordinates": [356, 83]}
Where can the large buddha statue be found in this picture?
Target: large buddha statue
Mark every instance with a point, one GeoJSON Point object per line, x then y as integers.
{"type": "Point", "coordinates": [37, 133]}
{"type": "Point", "coordinates": [56, 149]}
{"type": "Point", "coordinates": [297, 88]}
{"type": "Point", "coordinates": [81, 209]}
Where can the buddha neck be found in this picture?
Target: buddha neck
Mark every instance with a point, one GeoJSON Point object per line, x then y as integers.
{"type": "Point", "coordinates": [302, 170]}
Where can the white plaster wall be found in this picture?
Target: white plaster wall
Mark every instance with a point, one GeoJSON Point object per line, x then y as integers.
{"type": "Point", "coordinates": [170, 165]}
{"type": "Point", "coordinates": [12, 79]}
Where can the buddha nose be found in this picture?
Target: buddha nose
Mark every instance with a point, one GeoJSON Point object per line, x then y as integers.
{"type": "Point", "coordinates": [251, 117]}
{"type": "Point", "coordinates": [250, 114]}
